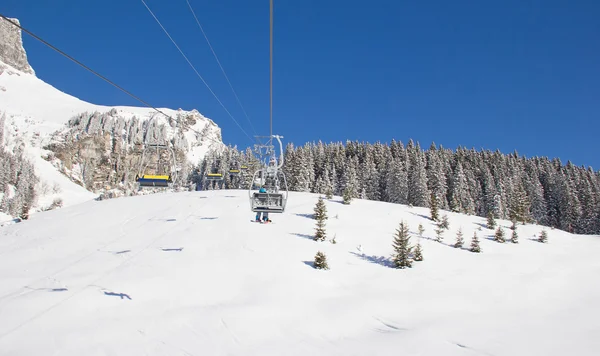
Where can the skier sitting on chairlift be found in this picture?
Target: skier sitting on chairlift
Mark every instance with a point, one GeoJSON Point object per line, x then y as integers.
{"type": "Point", "coordinates": [265, 215]}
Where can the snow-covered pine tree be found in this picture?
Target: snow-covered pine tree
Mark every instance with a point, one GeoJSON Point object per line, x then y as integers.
{"type": "Point", "coordinates": [433, 208]}
{"type": "Point", "coordinates": [321, 261]}
{"type": "Point", "coordinates": [320, 216]}
{"type": "Point", "coordinates": [417, 178]}
{"type": "Point", "coordinates": [515, 236]}
{"type": "Point", "coordinates": [421, 230]}
{"type": "Point", "coordinates": [499, 235]}
{"type": "Point", "coordinates": [402, 248]}
{"type": "Point", "coordinates": [444, 224]}
{"type": "Point", "coordinates": [520, 205]}
{"type": "Point", "coordinates": [475, 243]}
{"type": "Point", "coordinates": [439, 232]}
{"type": "Point", "coordinates": [459, 238]}
{"type": "Point", "coordinates": [347, 196]}
{"type": "Point", "coordinates": [543, 237]}
{"type": "Point", "coordinates": [397, 183]}
{"type": "Point", "coordinates": [418, 256]}
{"type": "Point", "coordinates": [491, 222]}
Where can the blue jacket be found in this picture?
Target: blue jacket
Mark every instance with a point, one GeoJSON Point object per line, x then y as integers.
{"type": "Point", "coordinates": [262, 190]}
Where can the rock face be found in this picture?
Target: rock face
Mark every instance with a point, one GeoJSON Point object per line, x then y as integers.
{"type": "Point", "coordinates": [11, 47]}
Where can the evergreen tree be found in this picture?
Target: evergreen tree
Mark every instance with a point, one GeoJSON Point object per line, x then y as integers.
{"type": "Point", "coordinates": [438, 233]}
{"type": "Point", "coordinates": [421, 230]}
{"type": "Point", "coordinates": [329, 191]}
{"type": "Point", "coordinates": [515, 237]}
{"type": "Point", "coordinates": [475, 243]}
{"type": "Point", "coordinates": [321, 261]}
{"type": "Point", "coordinates": [444, 224]}
{"type": "Point", "coordinates": [417, 179]}
{"type": "Point", "coordinates": [320, 209]}
{"type": "Point", "coordinates": [499, 235]}
{"type": "Point", "coordinates": [347, 196]}
{"type": "Point", "coordinates": [402, 247]}
{"type": "Point", "coordinates": [320, 216]}
{"type": "Point", "coordinates": [418, 252]}
{"type": "Point", "coordinates": [491, 222]}
{"type": "Point", "coordinates": [434, 208]}
{"type": "Point", "coordinates": [543, 237]}
{"type": "Point", "coordinates": [459, 239]}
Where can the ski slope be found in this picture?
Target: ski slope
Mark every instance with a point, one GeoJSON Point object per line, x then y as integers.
{"type": "Point", "coordinates": [190, 274]}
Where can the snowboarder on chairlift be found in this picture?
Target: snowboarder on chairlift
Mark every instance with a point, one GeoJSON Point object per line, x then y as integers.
{"type": "Point", "coordinates": [265, 215]}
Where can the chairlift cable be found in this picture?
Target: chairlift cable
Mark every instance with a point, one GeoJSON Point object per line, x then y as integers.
{"type": "Point", "coordinates": [220, 66]}
{"type": "Point", "coordinates": [195, 70]}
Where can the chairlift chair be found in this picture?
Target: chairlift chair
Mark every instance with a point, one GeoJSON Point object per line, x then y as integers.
{"type": "Point", "coordinates": [157, 176]}
{"type": "Point", "coordinates": [271, 177]}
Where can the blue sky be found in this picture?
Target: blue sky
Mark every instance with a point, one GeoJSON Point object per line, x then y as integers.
{"type": "Point", "coordinates": [508, 75]}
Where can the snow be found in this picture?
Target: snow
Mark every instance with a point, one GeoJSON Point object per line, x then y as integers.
{"type": "Point", "coordinates": [189, 274]}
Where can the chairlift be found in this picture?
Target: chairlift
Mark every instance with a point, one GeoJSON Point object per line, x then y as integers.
{"type": "Point", "coordinates": [214, 176]}
{"type": "Point", "coordinates": [270, 178]}
{"type": "Point", "coordinates": [162, 173]}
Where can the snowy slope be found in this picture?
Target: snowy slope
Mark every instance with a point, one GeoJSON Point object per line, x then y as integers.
{"type": "Point", "coordinates": [35, 109]}
{"type": "Point", "coordinates": [189, 274]}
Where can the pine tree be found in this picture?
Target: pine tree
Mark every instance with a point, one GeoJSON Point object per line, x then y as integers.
{"type": "Point", "coordinates": [475, 243]}
{"type": "Point", "coordinates": [515, 237]}
{"type": "Point", "coordinates": [418, 253]}
{"type": "Point", "coordinates": [329, 191]}
{"type": "Point", "coordinates": [459, 239]}
{"type": "Point", "coordinates": [421, 230]}
{"type": "Point", "coordinates": [438, 233]}
{"type": "Point", "coordinates": [321, 261]}
{"type": "Point", "coordinates": [320, 209]}
{"type": "Point", "coordinates": [347, 196]}
{"type": "Point", "coordinates": [499, 235]}
{"type": "Point", "coordinates": [445, 224]}
{"type": "Point", "coordinates": [434, 208]}
{"type": "Point", "coordinates": [402, 247]}
{"type": "Point", "coordinates": [543, 237]}
{"type": "Point", "coordinates": [491, 222]}
{"type": "Point", "coordinates": [320, 216]}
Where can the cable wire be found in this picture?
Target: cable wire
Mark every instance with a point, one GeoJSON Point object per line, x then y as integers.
{"type": "Point", "coordinates": [196, 71]}
{"type": "Point", "coordinates": [220, 66]}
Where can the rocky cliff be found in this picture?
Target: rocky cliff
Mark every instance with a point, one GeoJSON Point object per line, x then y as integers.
{"type": "Point", "coordinates": [12, 51]}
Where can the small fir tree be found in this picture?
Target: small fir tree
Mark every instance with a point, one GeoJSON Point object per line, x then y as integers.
{"type": "Point", "coordinates": [320, 215]}
{"type": "Point", "coordinates": [499, 235]}
{"type": "Point", "coordinates": [434, 208]}
{"type": "Point", "coordinates": [24, 211]}
{"type": "Point", "coordinates": [329, 193]}
{"type": "Point", "coordinates": [421, 230]}
{"type": "Point", "coordinates": [459, 239]}
{"type": "Point", "coordinates": [320, 209]}
{"type": "Point", "coordinates": [515, 237]}
{"type": "Point", "coordinates": [438, 234]}
{"type": "Point", "coordinates": [321, 261]}
{"type": "Point", "coordinates": [445, 224]}
{"type": "Point", "coordinates": [491, 222]}
{"type": "Point", "coordinates": [347, 195]}
{"type": "Point", "coordinates": [543, 237]}
{"type": "Point", "coordinates": [402, 247]}
{"type": "Point", "coordinates": [418, 252]}
{"type": "Point", "coordinates": [475, 243]}
{"type": "Point", "coordinates": [333, 241]}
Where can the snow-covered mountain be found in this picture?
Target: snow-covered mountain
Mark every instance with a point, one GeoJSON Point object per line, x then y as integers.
{"type": "Point", "coordinates": [188, 274]}
{"type": "Point", "coordinates": [48, 125]}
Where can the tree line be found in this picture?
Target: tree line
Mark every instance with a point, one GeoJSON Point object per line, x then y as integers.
{"type": "Point", "coordinates": [508, 186]}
